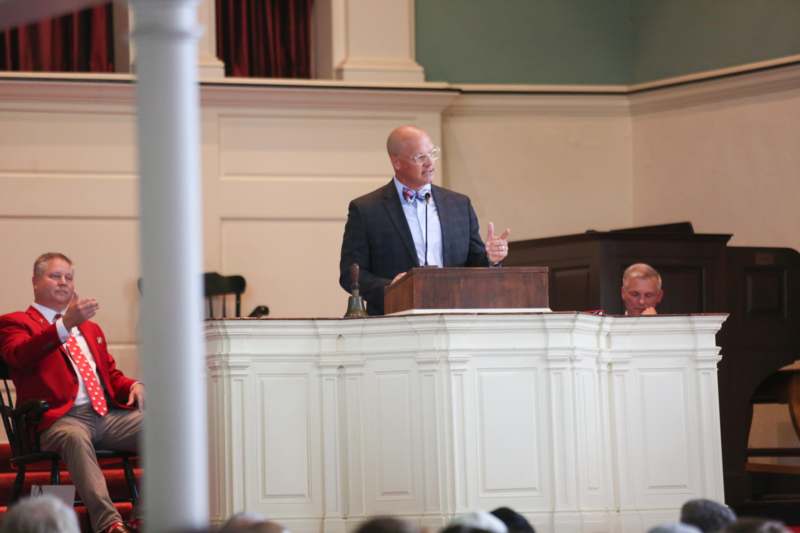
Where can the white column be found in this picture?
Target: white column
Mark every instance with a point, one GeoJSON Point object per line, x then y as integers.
{"type": "Point", "coordinates": [172, 356]}
{"type": "Point", "coordinates": [209, 65]}
{"type": "Point", "coordinates": [365, 40]}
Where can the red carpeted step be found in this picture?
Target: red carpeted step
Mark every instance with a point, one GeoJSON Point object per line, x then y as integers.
{"type": "Point", "coordinates": [117, 486]}
{"type": "Point", "coordinates": [40, 475]}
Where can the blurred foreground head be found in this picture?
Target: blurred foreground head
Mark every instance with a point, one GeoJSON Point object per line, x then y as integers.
{"type": "Point", "coordinates": [387, 524]}
{"type": "Point", "coordinates": [515, 522]}
{"type": "Point", "coordinates": [40, 514]}
{"type": "Point", "coordinates": [707, 515]}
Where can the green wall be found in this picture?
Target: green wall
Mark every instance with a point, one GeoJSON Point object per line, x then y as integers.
{"type": "Point", "coordinates": [676, 37]}
{"type": "Point", "coordinates": [598, 41]}
{"type": "Point", "coordinates": [524, 41]}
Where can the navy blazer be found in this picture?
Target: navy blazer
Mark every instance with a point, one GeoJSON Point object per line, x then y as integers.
{"type": "Point", "coordinates": [377, 237]}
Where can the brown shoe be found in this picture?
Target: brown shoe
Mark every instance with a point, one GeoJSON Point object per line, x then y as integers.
{"type": "Point", "coordinates": [118, 527]}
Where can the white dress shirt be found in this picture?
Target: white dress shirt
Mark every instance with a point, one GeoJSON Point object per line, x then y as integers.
{"type": "Point", "coordinates": [415, 211]}
{"type": "Point", "coordinates": [63, 334]}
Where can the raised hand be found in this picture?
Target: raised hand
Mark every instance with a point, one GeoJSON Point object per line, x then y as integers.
{"type": "Point", "coordinates": [496, 246]}
{"type": "Point", "coordinates": [79, 311]}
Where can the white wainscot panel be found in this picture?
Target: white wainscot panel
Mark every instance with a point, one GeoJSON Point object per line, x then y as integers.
{"type": "Point", "coordinates": [290, 265]}
{"type": "Point", "coordinates": [267, 162]}
{"type": "Point", "coordinates": [62, 143]}
{"type": "Point", "coordinates": [285, 460]}
{"type": "Point", "coordinates": [591, 438]}
{"type": "Point", "coordinates": [393, 459]}
{"type": "Point", "coordinates": [127, 358]}
{"type": "Point", "coordinates": [106, 258]}
{"type": "Point", "coordinates": [555, 441]}
{"type": "Point", "coordinates": [665, 431]}
{"type": "Point", "coordinates": [508, 432]}
{"type": "Point", "coordinates": [304, 145]}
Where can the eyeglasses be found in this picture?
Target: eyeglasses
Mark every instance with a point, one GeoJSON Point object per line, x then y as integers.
{"type": "Point", "coordinates": [433, 155]}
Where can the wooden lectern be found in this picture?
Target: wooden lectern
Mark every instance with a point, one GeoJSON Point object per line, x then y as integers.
{"type": "Point", "coordinates": [469, 288]}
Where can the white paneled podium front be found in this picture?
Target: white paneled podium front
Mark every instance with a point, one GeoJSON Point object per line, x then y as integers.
{"type": "Point", "coordinates": [582, 423]}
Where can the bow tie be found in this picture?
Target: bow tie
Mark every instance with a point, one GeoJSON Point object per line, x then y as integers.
{"type": "Point", "coordinates": [411, 195]}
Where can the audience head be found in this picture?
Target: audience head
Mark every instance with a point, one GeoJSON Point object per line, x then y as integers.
{"type": "Point", "coordinates": [515, 522]}
{"type": "Point", "coordinates": [675, 527]}
{"type": "Point", "coordinates": [641, 289]}
{"type": "Point", "coordinates": [707, 515]}
{"type": "Point", "coordinates": [755, 525]}
{"type": "Point", "coordinates": [477, 522]}
{"type": "Point", "coordinates": [413, 156]}
{"type": "Point", "coordinates": [267, 526]}
{"type": "Point", "coordinates": [243, 519]}
{"type": "Point", "coordinates": [387, 524]}
{"type": "Point", "coordinates": [53, 283]}
{"type": "Point", "coordinates": [40, 514]}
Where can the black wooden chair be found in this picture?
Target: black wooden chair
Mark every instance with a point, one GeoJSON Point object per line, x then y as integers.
{"type": "Point", "coordinates": [219, 288]}
{"type": "Point", "coordinates": [20, 424]}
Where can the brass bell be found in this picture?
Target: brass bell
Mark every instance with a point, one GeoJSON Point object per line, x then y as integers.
{"type": "Point", "coordinates": [355, 303]}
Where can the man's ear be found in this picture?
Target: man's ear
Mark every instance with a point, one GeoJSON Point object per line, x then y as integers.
{"type": "Point", "coordinates": [395, 162]}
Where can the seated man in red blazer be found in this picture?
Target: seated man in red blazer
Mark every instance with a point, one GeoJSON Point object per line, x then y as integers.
{"type": "Point", "coordinates": [55, 353]}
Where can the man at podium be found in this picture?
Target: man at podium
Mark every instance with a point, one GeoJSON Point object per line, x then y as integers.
{"type": "Point", "coordinates": [410, 222]}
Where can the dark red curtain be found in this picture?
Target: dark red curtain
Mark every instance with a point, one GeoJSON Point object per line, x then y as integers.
{"type": "Point", "coordinates": [78, 42]}
{"type": "Point", "coordinates": [265, 38]}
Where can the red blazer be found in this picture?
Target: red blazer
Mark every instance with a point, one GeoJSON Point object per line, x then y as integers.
{"type": "Point", "coordinates": [40, 367]}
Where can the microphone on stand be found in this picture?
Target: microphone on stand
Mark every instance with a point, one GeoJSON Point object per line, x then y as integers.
{"type": "Point", "coordinates": [427, 203]}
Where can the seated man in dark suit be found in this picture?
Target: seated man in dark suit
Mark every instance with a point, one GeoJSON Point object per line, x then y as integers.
{"type": "Point", "coordinates": [410, 222]}
{"type": "Point", "coordinates": [641, 289]}
{"type": "Point", "coordinates": [56, 354]}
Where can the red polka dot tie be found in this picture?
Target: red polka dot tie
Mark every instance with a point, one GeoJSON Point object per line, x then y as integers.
{"type": "Point", "coordinates": [93, 388]}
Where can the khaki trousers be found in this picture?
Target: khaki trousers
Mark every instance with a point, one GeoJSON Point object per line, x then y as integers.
{"type": "Point", "coordinates": [75, 437]}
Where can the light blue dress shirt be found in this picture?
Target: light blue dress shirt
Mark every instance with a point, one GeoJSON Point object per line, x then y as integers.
{"type": "Point", "coordinates": [414, 210]}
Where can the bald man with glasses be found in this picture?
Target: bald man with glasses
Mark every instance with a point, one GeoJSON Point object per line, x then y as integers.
{"type": "Point", "coordinates": [410, 222]}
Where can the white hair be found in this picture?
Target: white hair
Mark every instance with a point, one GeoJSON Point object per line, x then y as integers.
{"type": "Point", "coordinates": [641, 271]}
{"type": "Point", "coordinates": [40, 514]}
{"type": "Point", "coordinates": [480, 520]}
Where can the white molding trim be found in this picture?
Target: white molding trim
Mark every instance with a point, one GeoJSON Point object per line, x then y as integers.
{"type": "Point", "coordinates": [49, 89]}
{"type": "Point", "coordinates": [763, 69]}
{"type": "Point", "coordinates": [540, 104]}
{"type": "Point", "coordinates": [386, 68]}
{"type": "Point", "coordinates": [328, 98]}
{"type": "Point", "coordinates": [451, 100]}
{"type": "Point", "coordinates": [747, 85]}
{"type": "Point", "coordinates": [521, 88]}
{"type": "Point", "coordinates": [716, 73]}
